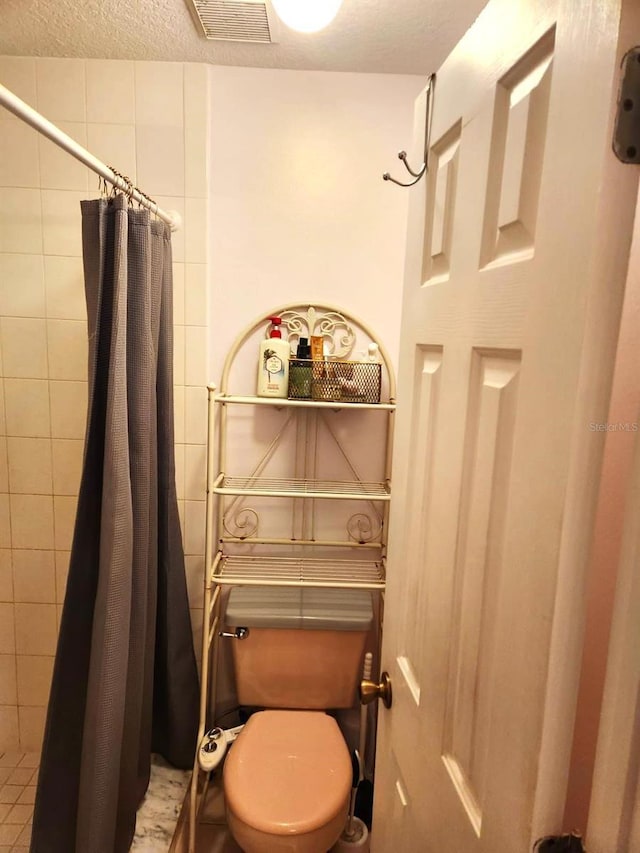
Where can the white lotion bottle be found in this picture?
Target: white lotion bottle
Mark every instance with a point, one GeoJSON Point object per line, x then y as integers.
{"type": "Point", "coordinates": [273, 363]}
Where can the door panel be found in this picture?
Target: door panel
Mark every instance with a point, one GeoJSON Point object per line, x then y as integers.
{"type": "Point", "coordinates": [515, 160]}
{"type": "Point", "coordinates": [501, 369]}
{"type": "Point", "coordinates": [477, 572]}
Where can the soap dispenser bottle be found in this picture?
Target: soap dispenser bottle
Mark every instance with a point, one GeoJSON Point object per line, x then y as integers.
{"type": "Point", "coordinates": [273, 363]}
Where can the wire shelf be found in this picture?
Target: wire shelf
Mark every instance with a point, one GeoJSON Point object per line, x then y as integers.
{"type": "Point", "coordinates": [298, 571]}
{"type": "Point", "coordinates": [301, 488]}
{"type": "Point", "coordinates": [279, 402]}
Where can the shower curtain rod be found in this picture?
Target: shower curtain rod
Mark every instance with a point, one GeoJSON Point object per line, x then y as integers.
{"type": "Point", "coordinates": [23, 111]}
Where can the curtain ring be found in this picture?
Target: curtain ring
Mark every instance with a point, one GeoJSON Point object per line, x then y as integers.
{"type": "Point", "coordinates": [113, 189]}
{"type": "Point", "coordinates": [129, 190]}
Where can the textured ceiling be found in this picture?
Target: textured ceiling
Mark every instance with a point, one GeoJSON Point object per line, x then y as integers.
{"type": "Point", "coordinates": [389, 36]}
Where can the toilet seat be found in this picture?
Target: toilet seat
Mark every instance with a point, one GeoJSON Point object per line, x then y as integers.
{"type": "Point", "coordinates": [289, 774]}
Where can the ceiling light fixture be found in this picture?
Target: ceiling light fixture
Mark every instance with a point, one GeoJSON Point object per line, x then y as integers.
{"type": "Point", "coordinates": [306, 16]}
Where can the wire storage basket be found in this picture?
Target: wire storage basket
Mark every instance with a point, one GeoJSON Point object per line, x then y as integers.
{"type": "Point", "coordinates": [335, 381]}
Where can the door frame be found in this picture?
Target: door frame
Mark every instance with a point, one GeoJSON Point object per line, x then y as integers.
{"type": "Point", "coordinates": [575, 570]}
{"type": "Point", "coordinates": [607, 773]}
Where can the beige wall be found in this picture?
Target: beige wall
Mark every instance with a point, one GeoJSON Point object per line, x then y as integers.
{"type": "Point", "coordinates": [149, 120]}
{"type": "Point", "coordinates": [299, 210]}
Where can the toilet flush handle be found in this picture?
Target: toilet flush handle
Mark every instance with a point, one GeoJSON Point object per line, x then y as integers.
{"type": "Point", "coordinates": [238, 634]}
{"type": "Point", "coordinates": [370, 690]}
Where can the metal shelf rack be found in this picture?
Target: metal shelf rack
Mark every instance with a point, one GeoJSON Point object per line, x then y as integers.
{"type": "Point", "coordinates": [236, 552]}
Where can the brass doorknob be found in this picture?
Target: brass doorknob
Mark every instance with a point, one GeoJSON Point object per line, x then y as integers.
{"type": "Point", "coordinates": [370, 690]}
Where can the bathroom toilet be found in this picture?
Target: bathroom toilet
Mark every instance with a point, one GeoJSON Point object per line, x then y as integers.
{"type": "Point", "coordinates": [287, 778]}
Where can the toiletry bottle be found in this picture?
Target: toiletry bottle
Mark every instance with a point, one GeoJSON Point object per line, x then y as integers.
{"type": "Point", "coordinates": [300, 372]}
{"type": "Point", "coordinates": [373, 354]}
{"type": "Point", "coordinates": [273, 363]}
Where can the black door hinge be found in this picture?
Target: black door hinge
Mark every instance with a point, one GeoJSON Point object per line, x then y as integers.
{"type": "Point", "coordinates": [626, 133]}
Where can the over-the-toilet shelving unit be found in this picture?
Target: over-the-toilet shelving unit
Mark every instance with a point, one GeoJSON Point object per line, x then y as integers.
{"type": "Point", "coordinates": [237, 550]}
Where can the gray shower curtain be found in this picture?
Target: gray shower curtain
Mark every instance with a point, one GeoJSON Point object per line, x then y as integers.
{"type": "Point", "coordinates": [125, 679]}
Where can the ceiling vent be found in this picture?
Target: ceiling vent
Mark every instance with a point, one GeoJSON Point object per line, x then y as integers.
{"type": "Point", "coordinates": [235, 20]}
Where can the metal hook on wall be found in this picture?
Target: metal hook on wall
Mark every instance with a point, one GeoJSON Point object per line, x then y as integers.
{"type": "Point", "coordinates": [402, 155]}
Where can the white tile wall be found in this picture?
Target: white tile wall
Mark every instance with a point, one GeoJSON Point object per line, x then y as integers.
{"type": "Point", "coordinates": [61, 234]}
{"type": "Point", "coordinates": [31, 521]}
{"type": "Point", "coordinates": [34, 679]}
{"type": "Point", "coordinates": [195, 294]}
{"type": "Point", "coordinates": [160, 159]}
{"type": "Point", "coordinates": [195, 415]}
{"type": "Point", "coordinates": [34, 577]}
{"type": "Point", "coordinates": [35, 629]}
{"type": "Point", "coordinates": [115, 145]}
{"type": "Point", "coordinates": [28, 300]}
{"type": "Point", "coordinates": [178, 294]}
{"type": "Point", "coordinates": [194, 512]}
{"type": "Point", "coordinates": [68, 401]}
{"type": "Point", "coordinates": [195, 365]}
{"type": "Point", "coordinates": [195, 464]}
{"type": "Point", "coordinates": [195, 230]}
{"type": "Point", "coordinates": [61, 89]}
{"type": "Point", "coordinates": [178, 355]}
{"type": "Point", "coordinates": [195, 571]}
{"type": "Point", "coordinates": [64, 514]}
{"type": "Point", "coordinates": [7, 629]}
{"type": "Point", "coordinates": [110, 92]}
{"type": "Point", "coordinates": [180, 474]}
{"type": "Point", "coordinates": [9, 732]}
{"type": "Point", "coordinates": [4, 465]}
{"type": "Point", "coordinates": [27, 407]}
{"type": "Point", "coordinates": [31, 726]}
{"type": "Point", "coordinates": [20, 220]}
{"type": "Point", "coordinates": [6, 575]}
{"type": "Point", "coordinates": [66, 465]}
{"type": "Point", "coordinates": [149, 121]}
{"type": "Point", "coordinates": [8, 692]}
{"type": "Point", "coordinates": [24, 347]}
{"type": "Point", "coordinates": [30, 466]}
{"type": "Point", "coordinates": [67, 349]}
{"type": "Point", "coordinates": [62, 572]}
{"type": "Point", "coordinates": [58, 171]}
{"type": "Point", "coordinates": [19, 163]}
{"type": "Point", "coordinates": [18, 73]}
{"type": "Point", "coordinates": [159, 94]}
{"type": "Point", "coordinates": [64, 287]}
{"type": "Point", "coordinates": [5, 524]}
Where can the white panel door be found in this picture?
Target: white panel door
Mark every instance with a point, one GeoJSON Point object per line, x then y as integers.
{"type": "Point", "coordinates": [516, 260]}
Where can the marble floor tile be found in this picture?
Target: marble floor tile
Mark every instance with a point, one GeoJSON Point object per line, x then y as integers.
{"type": "Point", "coordinates": [158, 815]}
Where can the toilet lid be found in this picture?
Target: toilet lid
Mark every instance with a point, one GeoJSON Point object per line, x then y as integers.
{"type": "Point", "coordinates": [288, 772]}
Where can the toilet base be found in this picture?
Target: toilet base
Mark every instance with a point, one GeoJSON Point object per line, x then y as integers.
{"type": "Point", "coordinates": [254, 841]}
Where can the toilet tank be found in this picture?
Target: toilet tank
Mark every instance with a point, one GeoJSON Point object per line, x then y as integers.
{"type": "Point", "coordinates": [305, 646]}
